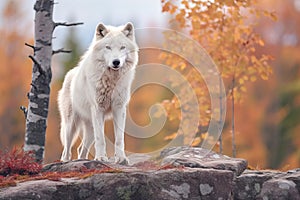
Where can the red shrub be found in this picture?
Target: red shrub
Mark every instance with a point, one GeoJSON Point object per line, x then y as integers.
{"type": "Point", "coordinates": [18, 162]}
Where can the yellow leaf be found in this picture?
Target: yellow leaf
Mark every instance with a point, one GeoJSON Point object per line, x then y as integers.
{"type": "Point", "coordinates": [186, 4]}
{"type": "Point", "coordinates": [243, 89]}
{"type": "Point", "coordinates": [173, 9]}
{"type": "Point", "coordinates": [196, 141]}
{"type": "Point", "coordinates": [264, 76]}
{"type": "Point", "coordinates": [241, 81]}
{"type": "Point", "coordinates": [253, 78]}
{"type": "Point", "coordinates": [236, 35]}
{"type": "Point", "coordinates": [274, 16]}
{"type": "Point", "coordinates": [253, 59]}
{"type": "Point", "coordinates": [204, 136]}
{"type": "Point", "coordinates": [195, 24]}
{"type": "Point", "coordinates": [182, 66]}
{"type": "Point", "coordinates": [171, 137]}
{"type": "Point", "coordinates": [180, 17]}
{"type": "Point", "coordinates": [261, 43]}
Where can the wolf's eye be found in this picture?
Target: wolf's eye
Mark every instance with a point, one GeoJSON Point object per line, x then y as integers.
{"type": "Point", "coordinates": [123, 47]}
{"type": "Point", "coordinates": [108, 47]}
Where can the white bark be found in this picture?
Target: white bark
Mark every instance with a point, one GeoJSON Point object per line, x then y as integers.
{"type": "Point", "coordinates": [37, 112]}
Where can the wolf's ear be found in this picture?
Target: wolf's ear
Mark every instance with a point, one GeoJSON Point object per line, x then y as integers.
{"type": "Point", "coordinates": [101, 31]}
{"type": "Point", "coordinates": [129, 30]}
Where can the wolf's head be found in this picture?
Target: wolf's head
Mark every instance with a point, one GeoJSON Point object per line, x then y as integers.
{"type": "Point", "coordinates": [115, 47]}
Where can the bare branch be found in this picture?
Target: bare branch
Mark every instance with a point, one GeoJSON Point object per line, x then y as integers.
{"type": "Point", "coordinates": [33, 47]}
{"type": "Point", "coordinates": [29, 45]}
{"type": "Point", "coordinates": [34, 60]}
{"type": "Point", "coordinates": [24, 109]}
{"type": "Point", "coordinates": [37, 64]}
{"type": "Point", "coordinates": [62, 50]}
{"type": "Point", "coordinates": [66, 24]}
{"type": "Point", "coordinates": [34, 86]}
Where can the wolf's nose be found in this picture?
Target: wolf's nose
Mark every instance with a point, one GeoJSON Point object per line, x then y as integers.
{"type": "Point", "coordinates": [116, 62]}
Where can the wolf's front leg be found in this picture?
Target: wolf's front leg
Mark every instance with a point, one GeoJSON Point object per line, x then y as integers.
{"type": "Point", "coordinates": [100, 144]}
{"type": "Point", "coordinates": [119, 116]}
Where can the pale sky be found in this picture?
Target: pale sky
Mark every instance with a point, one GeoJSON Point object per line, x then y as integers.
{"type": "Point", "coordinates": [143, 13]}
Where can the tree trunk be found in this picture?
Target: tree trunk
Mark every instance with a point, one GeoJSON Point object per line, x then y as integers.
{"type": "Point", "coordinates": [37, 112]}
{"type": "Point", "coordinates": [221, 114]}
{"type": "Point", "coordinates": [233, 119]}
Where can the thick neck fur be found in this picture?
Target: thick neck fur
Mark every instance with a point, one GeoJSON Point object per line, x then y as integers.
{"type": "Point", "coordinates": [106, 84]}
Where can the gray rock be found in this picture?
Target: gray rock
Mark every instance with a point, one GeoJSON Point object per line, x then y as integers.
{"type": "Point", "coordinates": [267, 184]}
{"type": "Point", "coordinates": [75, 165]}
{"type": "Point", "coordinates": [166, 184]}
{"type": "Point", "coordinates": [202, 158]}
{"type": "Point", "coordinates": [249, 184]}
{"type": "Point", "coordinates": [39, 189]}
{"type": "Point", "coordinates": [205, 175]}
{"type": "Point", "coordinates": [279, 189]}
{"type": "Point", "coordinates": [294, 175]}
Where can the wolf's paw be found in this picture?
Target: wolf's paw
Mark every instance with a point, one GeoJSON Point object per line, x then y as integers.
{"type": "Point", "coordinates": [123, 160]}
{"type": "Point", "coordinates": [65, 158]}
{"type": "Point", "coordinates": [102, 158]}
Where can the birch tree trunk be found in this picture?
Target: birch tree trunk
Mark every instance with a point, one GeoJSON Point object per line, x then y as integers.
{"type": "Point", "coordinates": [37, 112]}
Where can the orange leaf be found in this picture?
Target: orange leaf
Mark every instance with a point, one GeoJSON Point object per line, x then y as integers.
{"type": "Point", "coordinates": [166, 7]}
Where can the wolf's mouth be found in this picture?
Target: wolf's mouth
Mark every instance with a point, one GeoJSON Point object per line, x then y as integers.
{"type": "Point", "coordinates": [114, 68]}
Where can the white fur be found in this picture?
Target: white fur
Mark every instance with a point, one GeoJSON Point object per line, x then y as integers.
{"type": "Point", "coordinates": [94, 91]}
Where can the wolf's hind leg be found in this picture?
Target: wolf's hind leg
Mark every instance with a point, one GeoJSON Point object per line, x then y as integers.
{"type": "Point", "coordinates": [68, 132]}
{"type": "Point", "coordinates": [86, 141]}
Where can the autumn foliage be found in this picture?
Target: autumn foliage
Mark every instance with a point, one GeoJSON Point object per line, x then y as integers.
{"type": "Point", "coordinates": [18, 162]}
{"type": "Point", "coordinates": [226, 30]}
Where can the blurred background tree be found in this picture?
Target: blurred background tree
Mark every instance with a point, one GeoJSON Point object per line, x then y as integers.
{"type": "Point", "coordinates": [226, 30]}
{"type": "Point", "coordinates": [280, 124]}
{"type": "Point", "coordinates": [71, 42]}
{"type": "Point", "coordinates": [15, 73]}
{"type": "Point", "coordinates": [267, 121]}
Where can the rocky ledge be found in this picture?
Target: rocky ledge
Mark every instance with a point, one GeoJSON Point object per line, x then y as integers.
{"type": "Point", "coordinates": [182, 173]}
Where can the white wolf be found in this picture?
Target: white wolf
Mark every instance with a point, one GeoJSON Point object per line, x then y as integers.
{"type": "Point", "coordinates": [95, 90]}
